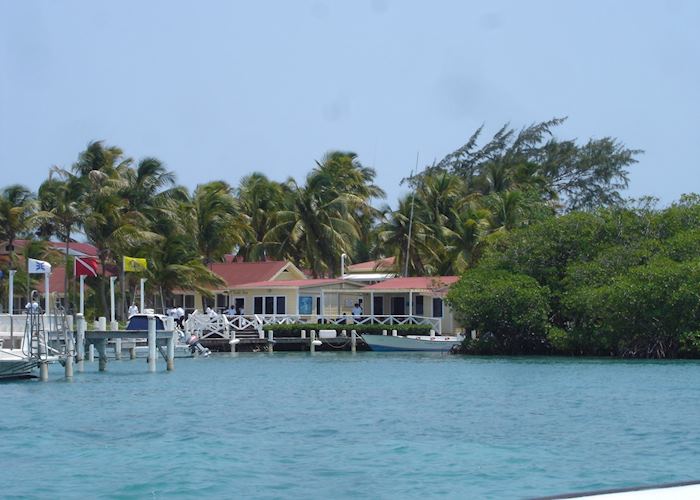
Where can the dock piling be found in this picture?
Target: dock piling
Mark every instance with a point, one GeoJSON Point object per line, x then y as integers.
{"type": "Point", "coordinates": [151, 343]}
{"type": "Point", "coordinates": [80, 351]}
{"type": "Point", "coordinates": [114, 326]}
{"type": "Point", "coordinates": [44, 371]}
{"type": "Point", "coordinates": [353, 341]}
{"type": "Point", "coordinates": [102, 350]}
{"type": "Point", "coordinates": [171, 353]}
{"type": "Point", "coordinates": [91, 353]}
{"type": "Point", "coordinates": [70, 352]}
{"type": "Point", "coordinates": [394, 333]}
{"type": "Point", "coordinates": [312, 344]}
{"type": "Point", "coordinates": [270, 341]}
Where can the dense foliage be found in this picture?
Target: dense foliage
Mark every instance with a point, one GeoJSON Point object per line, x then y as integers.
{"type": "Point", "coordinates": [618, 281]}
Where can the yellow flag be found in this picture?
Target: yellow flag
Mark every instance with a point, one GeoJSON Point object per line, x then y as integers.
{"type": "Point", "coordinates": [134, 264]}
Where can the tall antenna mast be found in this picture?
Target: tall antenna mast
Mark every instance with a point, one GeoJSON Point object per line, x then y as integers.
{"type": "Point", "coordinates": [410, 221]}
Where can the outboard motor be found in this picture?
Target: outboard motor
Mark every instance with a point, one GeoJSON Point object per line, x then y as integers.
{"type": "Point", "coordinates": [196, 346]}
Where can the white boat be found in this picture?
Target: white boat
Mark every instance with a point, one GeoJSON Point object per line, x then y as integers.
{"type": "Point", "coordinates": [437, 343]}
{"type": "Point", "coordinates": [14, 363]}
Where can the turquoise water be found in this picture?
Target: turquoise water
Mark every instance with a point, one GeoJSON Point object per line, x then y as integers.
{"type": "Point", "coordinates": [337, 425]}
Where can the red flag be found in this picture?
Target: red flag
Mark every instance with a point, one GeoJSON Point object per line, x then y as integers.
{"type": "Point", "coordinates": [85, 266]}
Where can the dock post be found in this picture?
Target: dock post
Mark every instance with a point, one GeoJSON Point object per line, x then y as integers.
{"type": "Point", "coordinates": [102, 349]}
{"type": "Point", "coordinates": [353, 341]}
{"type": "Point", "coordinates": [394, 333]}
{"type": "Point", "coordinates": [303, 334]}
{"type": "Point", "coordinates": [91, 353]}
{"type": "Point", "coordinates": [80, 351]}
{"type": "Point", "coordinates": [151, 343]}
{"type": "Point", "coordinates": [384, 332]}
{"type": "Point", "coordinates": [132, 350]}
{"type": "Point", "coordinates": [312, 345]}
{"type": "Point", "coordinates": [70, 352]}
{"type": "Point", "coordinates": [171, 352]}
{"type": "Point", "coordinates": [44, 371]}
{"type": "Point", "coordinates": [270, 341]}
{"type": "Point", "coordinates": [114, 326]}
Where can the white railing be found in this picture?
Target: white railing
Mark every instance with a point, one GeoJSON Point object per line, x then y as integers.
{"type": "Point", "coordinates": [205, 325]}
{"type": "Point", "coordinates": [384, 319]}
{"type": "Point", "coordinates": [219, 325]}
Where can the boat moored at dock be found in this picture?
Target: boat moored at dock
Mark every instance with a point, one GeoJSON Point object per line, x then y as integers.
{"type": "Point", "coordinates": [417, 343]}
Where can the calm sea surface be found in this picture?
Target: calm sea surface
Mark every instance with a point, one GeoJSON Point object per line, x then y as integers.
{"type": "Point", "coordinates": [337, 425]}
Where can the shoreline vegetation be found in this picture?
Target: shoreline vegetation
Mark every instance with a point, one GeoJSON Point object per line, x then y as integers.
{"type": "Point", "coordinates": [553, 260]}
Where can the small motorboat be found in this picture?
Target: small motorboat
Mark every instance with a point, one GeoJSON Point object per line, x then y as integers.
{"type": "Point", "coordinates": [424, 343]}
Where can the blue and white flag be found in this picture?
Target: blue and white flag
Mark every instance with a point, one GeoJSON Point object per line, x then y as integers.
{"type": "Point", "coordinates": [38, 267]}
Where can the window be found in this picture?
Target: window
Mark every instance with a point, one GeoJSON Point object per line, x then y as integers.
{"type": "Point", "coordinates": [419, 305]}
{"type": "Point", "coordinates": [305, 304]}
{"type": "Point", "coordinates": [270, 304]}
{"type": "Point", "coordinates": [221, 301]}
{"type": "Point", "coordinates": [437, 308]}
{"type": "Point", "coordinates": [189, 302]}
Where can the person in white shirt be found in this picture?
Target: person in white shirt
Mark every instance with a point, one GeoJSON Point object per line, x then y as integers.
{"type": "Point", "coordinates": [180, 316]}
{"type": "Point", "coordinates": [231, 311]}
{"type": "Point", "coordinates": [356, 311]}
{"type": "Point", "coordinates": [133, 309]}
{"type": "Point", "coordinates": [32, 306]}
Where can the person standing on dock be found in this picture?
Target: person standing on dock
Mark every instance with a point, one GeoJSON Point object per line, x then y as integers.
{"type": "Point", "coordinates": [180, 316]}
{"type": "Point", "coordinates": [133, 309]}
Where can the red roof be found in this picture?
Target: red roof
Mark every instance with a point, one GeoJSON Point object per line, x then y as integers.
{"type": "Point", "coordinates": [56, 280]}
{"type": "Point", "coordinates": [293, 283]}
{"type": "Point", "coordinates": [415, 283]}
{"type": "Point", "coordinates": [239, 273]}
{"type": "Point", "coordinates": [386, 264]}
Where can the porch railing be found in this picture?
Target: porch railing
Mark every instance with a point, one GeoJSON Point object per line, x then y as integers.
{"type": "Point", "coordinates": [222, 326]}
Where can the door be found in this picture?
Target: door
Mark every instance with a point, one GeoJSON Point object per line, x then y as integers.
{"type": "Point", "coordinates": [378, 306]}
{"type": "Point", "coordinates": [398, 306]}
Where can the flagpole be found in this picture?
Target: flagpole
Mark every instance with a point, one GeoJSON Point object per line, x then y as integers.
{"type": "Point", "coordinates": [11, 306]}
{"type": "Point", "coordinates": [11, 291]}
{"type": "Point", "coordinates": [48, 292]}
{"type": "Point", "coordinates": [111, 295]}
{"type": "Point", "coordinates": [82, 294]}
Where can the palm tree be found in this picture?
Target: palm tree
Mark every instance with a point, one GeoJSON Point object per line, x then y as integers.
{"type": "Point", "coordinates": [357, 181]}
{"type": "Point", "coordinates": [17, 206]}
{"type": "Point", "coordinates": [425, 247]}
{"type": "Point", "coordinates": [260, 199]}
{"type": "Point", "coordinates": [175, 262]}
{"type": "Point", "coordinates": [61, 210]}
{"type": "Point", "coordinates": [316, 226]}
{"type": "Point", "coordinates": [220, 225]}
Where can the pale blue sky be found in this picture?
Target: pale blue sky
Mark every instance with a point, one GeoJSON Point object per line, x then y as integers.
{"type": "Point", "coordinates": [218, 89]}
